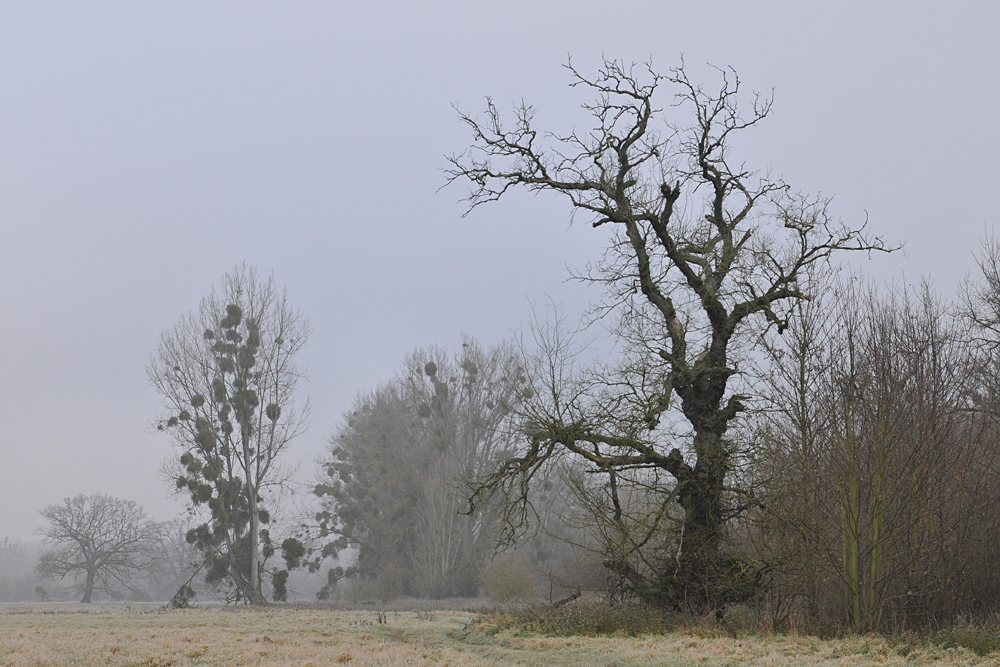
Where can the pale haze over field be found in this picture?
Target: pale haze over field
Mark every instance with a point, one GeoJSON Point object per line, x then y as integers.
{"type": "Point", "coordinates": [147, 148]}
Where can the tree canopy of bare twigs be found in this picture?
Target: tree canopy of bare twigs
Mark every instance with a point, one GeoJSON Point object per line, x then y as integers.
{"type": "Point", "coordinates": [703, 252]}
{"type": "Point", "coordinates": [981, 299]}
{"type": "Point", "coordinates": [228, 377]}
{"type": "Point", "coordinates": [99, 541]}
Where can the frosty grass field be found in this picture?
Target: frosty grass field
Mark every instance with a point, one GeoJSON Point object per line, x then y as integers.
{"type": "Point", "coordinates": [153, 636]}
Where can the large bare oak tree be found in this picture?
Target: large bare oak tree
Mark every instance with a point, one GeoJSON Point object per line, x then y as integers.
{"type": "Point", "coordinates": [703, 254]}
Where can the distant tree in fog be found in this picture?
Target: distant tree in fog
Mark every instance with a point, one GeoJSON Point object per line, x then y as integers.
{"type": "Point", "coordinates": [175, 562]}
{"type": "Point", "coordinates": [227, 376]}
{"type": "Point", "coordinates": [392, 485]}
{"type": "Point", "coordinates": [97, 541]}
{"type": "Point", "coordinates": [17, 570]}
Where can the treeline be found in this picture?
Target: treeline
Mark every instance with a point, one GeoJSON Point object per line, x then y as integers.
{"type": "Point", "coordinates": [876, 454]}
{"type": "Point", "coordinates": [865, 490]}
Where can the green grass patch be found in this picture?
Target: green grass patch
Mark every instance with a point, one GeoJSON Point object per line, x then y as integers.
{"type": "Point", "coordinates": [979, 641]}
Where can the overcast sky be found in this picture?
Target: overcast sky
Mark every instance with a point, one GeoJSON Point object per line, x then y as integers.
{"type": "Point", "coordinates": [147, 148]}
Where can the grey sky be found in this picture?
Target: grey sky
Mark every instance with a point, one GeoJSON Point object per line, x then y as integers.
{"type": "Point", "coordinates": [147, 148]}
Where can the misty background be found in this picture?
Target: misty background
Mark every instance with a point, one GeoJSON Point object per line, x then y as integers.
{"type": "Point", "coordinates": [146, 149]}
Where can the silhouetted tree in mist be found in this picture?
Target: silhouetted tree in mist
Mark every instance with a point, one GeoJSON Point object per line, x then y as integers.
{"type": "Point", "coordinates": [96, 541]}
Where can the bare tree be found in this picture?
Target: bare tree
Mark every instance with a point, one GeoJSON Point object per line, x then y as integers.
{"type": "Point", "coordinates": [702, 254]}
{"type": "Point", "coordinates": [227, 375]}
{"type": "Point", "coordinates": [97, 540]}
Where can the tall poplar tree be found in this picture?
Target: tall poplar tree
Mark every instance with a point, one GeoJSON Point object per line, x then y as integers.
{"type": "Point", "coordinates": [227, 376]}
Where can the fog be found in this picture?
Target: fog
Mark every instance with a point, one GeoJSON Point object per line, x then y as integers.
{"type": "Point", "coordinates": [146, 149]}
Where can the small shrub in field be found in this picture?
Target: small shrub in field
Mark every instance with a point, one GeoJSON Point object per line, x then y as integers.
{"type": "Point", "coordinates": [509, 577]}
{"type": "Point", "coordinates": [588, 619]}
